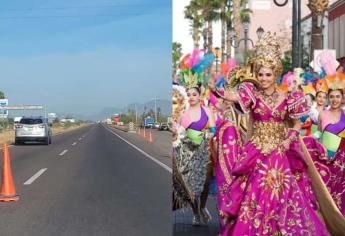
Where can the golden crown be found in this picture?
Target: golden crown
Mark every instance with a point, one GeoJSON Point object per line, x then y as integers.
{"type": "Point", "coordinates": [268, 53]}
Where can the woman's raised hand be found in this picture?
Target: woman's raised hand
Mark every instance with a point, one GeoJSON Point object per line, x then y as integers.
{"type": "Point", "coordinates": [231, 96]}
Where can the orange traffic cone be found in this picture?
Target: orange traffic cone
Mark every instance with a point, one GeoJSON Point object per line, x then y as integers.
{"type": "Point", "coordinates": [150, 137]}
{"type": "Point", "coordinates": [144, 133]}
{"type": "Point", "coordinates": [8, 191]}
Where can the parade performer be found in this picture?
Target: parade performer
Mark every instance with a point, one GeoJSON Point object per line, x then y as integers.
{"type": "Point", "coordinates": [266, 196]}
{"type": "Point", "coordinates": [315, 90]}
{"type": "Point", "coordinates": [193, 130]}
{"type": "Point", "coordinates": [329, 158]}
{"type": "Point", "coordinates": [320, 105]}
{"type": "Point", "coordinates": [228, 137]}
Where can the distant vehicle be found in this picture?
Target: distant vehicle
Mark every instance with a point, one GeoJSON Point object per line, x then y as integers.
{"type": "Point", "coordinates": [163, 126]}
{"type": "Point", "coordinates": [108, 121]}
{"type": "Point", "coordinates": [33, 129]}
{"type": "Point", "coordinates": [149, 122]}
{"type": "Point", "coordinates": [116, 119]}
{"type": "Point", "coordinates": [156, 125]}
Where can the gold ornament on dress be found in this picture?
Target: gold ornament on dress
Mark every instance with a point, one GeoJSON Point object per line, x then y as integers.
{"type": "Point", "coordinates": [268, 54]}
{"type": "Point", "coordinates": [267, 135]}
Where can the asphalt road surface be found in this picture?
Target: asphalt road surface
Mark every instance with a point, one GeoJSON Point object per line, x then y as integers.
{"type": "Point", "coordinates": [161, 147]}
{"type": "Point", "coordinates": [88, 182]}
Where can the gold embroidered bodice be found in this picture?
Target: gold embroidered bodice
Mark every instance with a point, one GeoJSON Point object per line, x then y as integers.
{"type": "Point", "coordinates": [268, 135]}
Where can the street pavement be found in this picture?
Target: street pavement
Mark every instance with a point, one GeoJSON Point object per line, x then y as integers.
{"type": "Point", "coordinates": [181, 219]}
{"type": "Point", "coordinates": [89, 182]}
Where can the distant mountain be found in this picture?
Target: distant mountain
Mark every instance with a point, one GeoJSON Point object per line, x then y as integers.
{"type": "Point", "coordinates": [164, 105]}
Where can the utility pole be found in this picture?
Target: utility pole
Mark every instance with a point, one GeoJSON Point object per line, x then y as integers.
{"type": "Point", "coordinates": [156, 109]}
{"type": "Point", "coordinates": [136, 114]}
{"type": "Point", "coordinates": [296, 29]}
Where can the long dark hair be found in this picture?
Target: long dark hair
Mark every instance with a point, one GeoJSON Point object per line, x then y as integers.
{"type": "Point", "coordinates": [318, 92]}
{"type": "Point", "coordinates": [196, 88]}
{"type": "Point", "coordinates": [340, 90]}
{"type": "Point", "coordinates": [311, 95]}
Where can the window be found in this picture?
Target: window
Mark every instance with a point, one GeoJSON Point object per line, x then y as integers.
{"type": "Point", "coordinates": [31, 121]}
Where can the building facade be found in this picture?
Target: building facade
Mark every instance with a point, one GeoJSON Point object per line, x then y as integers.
{"type": "Point", "coordinates": [336, 29]}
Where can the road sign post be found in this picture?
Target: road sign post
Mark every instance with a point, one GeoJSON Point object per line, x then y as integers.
{"type": "Point", "coordinates": [3, 110]}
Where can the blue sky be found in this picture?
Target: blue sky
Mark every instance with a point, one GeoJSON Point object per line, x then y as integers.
{"type": "Point", "coordinates": [80, 56]}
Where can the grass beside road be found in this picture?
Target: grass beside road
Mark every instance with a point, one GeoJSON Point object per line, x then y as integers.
{"type": "Point", "coordinates": [7, 136]}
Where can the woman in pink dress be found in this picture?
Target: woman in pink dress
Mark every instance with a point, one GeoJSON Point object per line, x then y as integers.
{"type": "Point", "coordinates": [269, 192]}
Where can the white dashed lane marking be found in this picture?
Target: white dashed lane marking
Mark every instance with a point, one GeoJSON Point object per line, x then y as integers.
{"type": "Point", "coordinates": [35, 176]}
{"type": "Point", "coordinates": [63, 152]}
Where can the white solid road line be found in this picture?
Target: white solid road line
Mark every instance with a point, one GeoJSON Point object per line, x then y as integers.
{"type": "Point", "coordinates": [75, 143]}
{"type": "Point", "coordinates": [144, 153]}
{"type": "Point", "coordinates": [63, 152]}
{"type": "Point", "coordinates": [35, 176]}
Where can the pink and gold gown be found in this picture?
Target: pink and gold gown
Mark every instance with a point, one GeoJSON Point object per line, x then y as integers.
{"type": "Point", "coordinates": [263, 185]}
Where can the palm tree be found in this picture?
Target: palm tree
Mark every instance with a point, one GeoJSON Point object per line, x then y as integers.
{"type": "Point", "coordinates": [317, 8]}
{"type": "Point", "coordinates": [191, 13]}
{"type": "Point", "coordinates": [225, 17]}
{"type": "Point", "coordinates": [245, 12]}
{"type": "Point", "coordinates": [241, 14]}
{"type": "Point", "coordinates": [176, 55]}
{"type": "Point", "coordinates": [237, 19]}
{"type": "Point", "coordinates": [209, 13]}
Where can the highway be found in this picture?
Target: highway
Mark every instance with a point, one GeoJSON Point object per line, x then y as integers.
{"type": "Point", "coordinates": [90, 181]}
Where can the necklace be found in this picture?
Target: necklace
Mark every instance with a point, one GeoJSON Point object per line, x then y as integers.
{"type": "Point", "coordinates": [268, 95]}
{"type": "Point", "coordinates": [270, 99]}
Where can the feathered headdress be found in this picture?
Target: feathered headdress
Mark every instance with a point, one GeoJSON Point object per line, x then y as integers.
{"type": "Point", "coordinates": [337, 80]}
{"type": "Point", "coordinates": [192, 66]}
{"type": "Point", "coordinates": [321, 85]}
{"type": "Point", "coordinates": [334, 78]}
{"type": "Point", "coordinates": [327, 61]}
{"type": "Point", "coordinates": [309, 82]}
{"type": "Point", "coordinates": [292, 80]}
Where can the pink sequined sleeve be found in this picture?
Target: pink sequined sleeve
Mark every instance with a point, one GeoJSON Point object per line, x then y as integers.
{"type": "Point", "coordinates": [247, 98]}
{"type": "Point", "coordinates": [297, 105]}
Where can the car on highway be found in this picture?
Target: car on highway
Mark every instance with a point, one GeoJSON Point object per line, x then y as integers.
{"type": "Point", "coordinates": [163, 126]}
{"type": "Point", "coordinates": [35, 129]}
